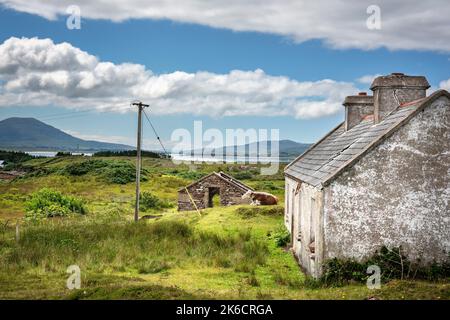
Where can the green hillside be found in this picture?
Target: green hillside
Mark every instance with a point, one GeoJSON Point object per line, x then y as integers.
{"type": "Point", "coordinates": [237, 252]}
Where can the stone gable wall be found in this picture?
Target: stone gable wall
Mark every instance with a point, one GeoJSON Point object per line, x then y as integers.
{"type": "Point", "coordinates": [229, 194]}
{"type": "Point", "coordinates": [396, 195]}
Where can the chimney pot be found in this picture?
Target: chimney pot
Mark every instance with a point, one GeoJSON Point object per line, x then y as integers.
{"type": "Point", "coordinates": [362, 94]}
{"type": "Point", "coordinates": [397, 74]}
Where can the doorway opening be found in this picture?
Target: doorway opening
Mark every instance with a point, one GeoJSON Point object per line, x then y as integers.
{"type": "Point", "coordinates": [213, 197]}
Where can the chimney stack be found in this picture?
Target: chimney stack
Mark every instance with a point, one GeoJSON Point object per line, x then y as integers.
{"type": "Point", "coordinates": [356, 108]}
{"type": "Point", "coordinates": [395, 89]}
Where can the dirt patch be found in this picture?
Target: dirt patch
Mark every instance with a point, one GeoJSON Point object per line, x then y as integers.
{"type": "Point", "coordinates": [11, 175]}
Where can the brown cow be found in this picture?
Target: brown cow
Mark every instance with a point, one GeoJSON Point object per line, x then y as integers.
{"type": "Point", "coordinates": [260, 198]}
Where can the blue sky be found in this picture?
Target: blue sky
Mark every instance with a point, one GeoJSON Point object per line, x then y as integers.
{"type": "Point", "coordinates": [165, 46]}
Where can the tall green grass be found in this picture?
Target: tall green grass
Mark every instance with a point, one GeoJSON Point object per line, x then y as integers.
{"type": "Point", "coordinates": [144, 247]}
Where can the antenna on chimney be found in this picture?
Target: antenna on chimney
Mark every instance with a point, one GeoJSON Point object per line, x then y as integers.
{"type": "Point", "coordinates": [394, 93]}
{"type": "Point", "coordinates": [395, 97]}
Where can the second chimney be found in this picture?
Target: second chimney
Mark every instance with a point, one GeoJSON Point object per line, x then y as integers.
{"type": "Point", "coordinates": [356, 108]}
{"type": "Point", "coordinates": [395, 89]}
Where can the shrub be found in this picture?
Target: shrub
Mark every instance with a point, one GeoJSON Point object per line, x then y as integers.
{"type": "Point", "coordinates": [14, 156]}
{"type": "Point", "coordinates": [338, 272]}
{"type": "Point", "coordinates": [282, 237]}
{"type": "Point", "coordinates": [130, 153]}
{"type": "Point", "coordinates": [393, 265]}
{"type": "Point", "coordinates": [82, 168]}
{"type": "Point", "coordinates": [243, 175]}
{"type": "Point", "coordinates": [149, 201]}
{"type": "Point", "coordinates": [40, 172]}
{"type": "Point", "coordinates": [50, 203]}
{"type": "Point", "coordinates": [188, 174]}
{"type": "Point", "coordinates": [120, 172]}
{"type": "Point", "coordinates": [63, 154]}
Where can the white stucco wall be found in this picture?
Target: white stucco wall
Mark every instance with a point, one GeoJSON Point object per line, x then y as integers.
{"type": "Point", "coordinates": [396, 195]}
{"type": "Point", "coordinates": [303, 218]}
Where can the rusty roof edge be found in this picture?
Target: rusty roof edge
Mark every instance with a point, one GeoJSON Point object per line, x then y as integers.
{"type": "Point", "coordinates": [294, 178]}
{"type": "Point", "coordinates": [313, 146]}
{"type": "Point", "coordinates": [425, 103]}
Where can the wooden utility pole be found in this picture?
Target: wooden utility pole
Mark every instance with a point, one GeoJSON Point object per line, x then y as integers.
{"type": "Point", "coordinates": [141, 107]}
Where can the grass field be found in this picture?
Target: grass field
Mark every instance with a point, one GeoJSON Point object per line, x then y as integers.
{"type": "Point", "coordinates": [221, 253]}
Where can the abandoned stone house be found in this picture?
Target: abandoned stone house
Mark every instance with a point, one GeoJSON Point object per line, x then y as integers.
{"type": "Point", "coordinates": [380, 178]}
{"type": "Point", "coordinates": [202, 192]}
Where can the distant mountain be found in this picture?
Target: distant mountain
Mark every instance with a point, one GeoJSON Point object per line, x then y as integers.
{"type": "Point", "coordinates": [286, 148]}
{"type": "Point", "coordinates": [29, 134]}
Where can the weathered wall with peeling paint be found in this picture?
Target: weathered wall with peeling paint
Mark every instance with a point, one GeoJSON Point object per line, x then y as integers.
{"type": "Point", "coordinates": [397, 195]}
{"type": "Point", "coordinates": [289, 189]}
{"type": "Point", "coordinates": [303, 219]}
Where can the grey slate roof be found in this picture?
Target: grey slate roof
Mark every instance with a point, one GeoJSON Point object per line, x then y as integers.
{"type": "Point", "coordinates": [326, 159]}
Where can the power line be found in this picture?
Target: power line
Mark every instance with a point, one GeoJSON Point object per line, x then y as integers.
{"type": "Point", "coordinates": [67, 115]}
{"type": "Point", "coordinates": [156, 134]}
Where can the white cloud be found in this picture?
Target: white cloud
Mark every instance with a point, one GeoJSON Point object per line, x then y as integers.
{"type": "Point", "coordinates": [368, 79]}
{"type": "Point", "coordinates": [445, 85]}
{"type": "Point", "coordinates": [39, 72]}
{"type": "Point", "coordinates": [417, 24]}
